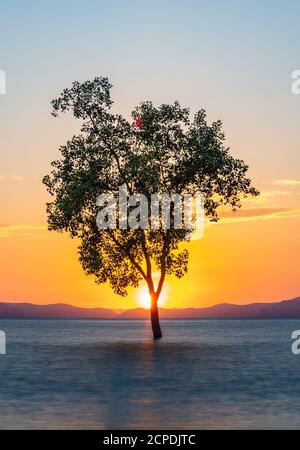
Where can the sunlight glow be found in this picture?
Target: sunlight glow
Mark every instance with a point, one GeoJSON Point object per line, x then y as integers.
{"type": "Point", "coordinates": [143, 298]}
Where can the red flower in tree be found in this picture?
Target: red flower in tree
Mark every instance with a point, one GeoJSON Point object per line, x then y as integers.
{"type": "Point", "coordinates": [138, 122]}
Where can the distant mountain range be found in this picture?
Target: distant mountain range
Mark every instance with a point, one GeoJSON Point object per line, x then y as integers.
{"type": "Point", "coordinates": [283, 309]}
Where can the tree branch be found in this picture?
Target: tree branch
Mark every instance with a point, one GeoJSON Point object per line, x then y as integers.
{"type": "Point", "coordinates": [163, 265]}
{"type": "Point", "coordinates": [130, 257]}
{"type": "Point", "coordinates": [148, 262]}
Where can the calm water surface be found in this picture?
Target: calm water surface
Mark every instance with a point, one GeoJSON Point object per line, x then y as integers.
{"type": "Point", "coordinates": [110, 374]}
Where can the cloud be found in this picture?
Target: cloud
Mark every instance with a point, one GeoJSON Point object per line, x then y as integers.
{"type": "Point", "coordinates": [256, 214]}
{"type": "Point", "coordinates": [253, 212]}
{"type": "Point", "coordinates": [10, 178]}
{"type": "Point", "coordinates": [267, 197]}
{"type": "Point", "coordinates": [8, 230]}
{"type": "Point", "coordinates": [271, 194]}
{"type": "Point", "coordinates": [287, 182]}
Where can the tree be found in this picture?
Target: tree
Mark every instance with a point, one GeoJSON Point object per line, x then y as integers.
{"type": "Point", "coordinates": [161, 151]}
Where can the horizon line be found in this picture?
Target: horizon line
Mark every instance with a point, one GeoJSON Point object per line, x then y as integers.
{"type": "Point", "coordinates": [147, 309]}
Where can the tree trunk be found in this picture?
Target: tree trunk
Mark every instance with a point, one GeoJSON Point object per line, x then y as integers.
{"type": "Point", "coordinates": [155, 318]}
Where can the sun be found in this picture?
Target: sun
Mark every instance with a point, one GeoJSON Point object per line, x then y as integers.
{"type": "Point", "coordinates": [143, 298]}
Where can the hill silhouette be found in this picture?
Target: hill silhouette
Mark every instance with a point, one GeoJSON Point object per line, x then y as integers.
{"type": "Point", "coordinates": [282, 309]}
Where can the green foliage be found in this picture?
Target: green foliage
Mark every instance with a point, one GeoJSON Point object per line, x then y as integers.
{"type": "Point", "coordinates": [169, 153]}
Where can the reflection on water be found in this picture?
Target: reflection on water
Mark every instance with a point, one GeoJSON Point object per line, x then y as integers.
{"type": "Point", "coordinates": [111, 374]}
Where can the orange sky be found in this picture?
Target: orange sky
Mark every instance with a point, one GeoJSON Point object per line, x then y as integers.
{"type": "Point", "coordinates": [242, 259]}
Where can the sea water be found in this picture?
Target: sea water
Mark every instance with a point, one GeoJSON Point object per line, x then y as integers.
{"type": "Point", "coordinates": [110, 374]}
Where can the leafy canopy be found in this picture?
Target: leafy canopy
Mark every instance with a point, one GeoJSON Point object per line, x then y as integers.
{"type": "Point", "coordinates": [168, 152]}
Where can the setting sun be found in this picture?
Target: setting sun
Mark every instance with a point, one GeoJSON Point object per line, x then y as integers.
{"type": "Point", "coordinates": [143, 297]}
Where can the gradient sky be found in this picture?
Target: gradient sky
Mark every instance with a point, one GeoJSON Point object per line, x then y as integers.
{"type": "Point", "coordinates": [232, 58]}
